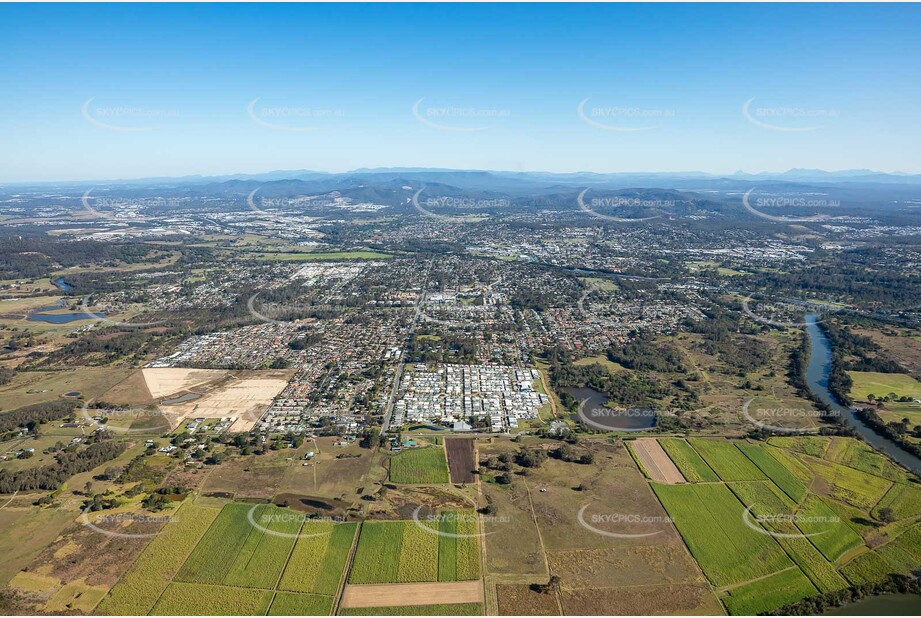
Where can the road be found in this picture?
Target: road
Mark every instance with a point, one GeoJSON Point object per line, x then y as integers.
{"type": "Point", "coordinates": [391, 400]}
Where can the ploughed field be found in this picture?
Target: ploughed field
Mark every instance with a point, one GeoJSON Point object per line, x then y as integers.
{"type": "Point", "coordinates": [771, 523]}
{"type": "Point", "coordinates": [461, 460]}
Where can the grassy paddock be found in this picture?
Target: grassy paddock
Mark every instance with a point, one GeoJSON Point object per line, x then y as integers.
{"type": "Point", "coordinates": [426, 465]}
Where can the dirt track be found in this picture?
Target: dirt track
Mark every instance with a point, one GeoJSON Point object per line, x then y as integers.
{"type": "Point", "coordinates": [461, 459]}
{"type": "Point", "coordinates": [398, 595]}
{"type": "Point", "coordinates": [656, 461]}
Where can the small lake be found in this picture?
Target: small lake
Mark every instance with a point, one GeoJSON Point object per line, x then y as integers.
{"type": "Point", "coordinates": [181, 399]}
{"type": "Point", "coordinates": [817, 373]}
{"type": "Point", "coordinates": [65, 287]}
{"type": "Point", "coordinates": [883, 605]}
{"type": "Point", "coordinates": [62, 318]}
{"type": "Point", "coordinates": [596, 415]}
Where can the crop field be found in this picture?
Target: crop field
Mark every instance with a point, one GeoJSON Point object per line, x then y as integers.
{"type": "Point", "coordinates": [770, 593]}
{"type": "Point", "coordinates": [820, 571]}
{"type": "Point", "coordinates": [904, 552]}
{"type": "Point", "coordinates": [458, 556]}
{"type": "Point", "coordinates": [204, 600]}
{"type": "Point", "coordinates": [449, 609]}
{"type": "Point", "coordinates": [856, 454]}
{"type": "Point", "coordinates": [402, 552]}
{"type": "Point", "coordinates": [140, 588]}
{"type": "Point", "coordinates": [317, 562]}
{"type": "Point", "coordinates": [377, 558]}
{"type": "Point", "coordinates": [726, 460]}
{"type": "Point", "coordinates": [235, 552]}
{"type": "Point", "coordinates": [809, 445]}
{"type": "Point", "coordinates": [765, 499]}
{"type": "Point", "coordinates": [849, 485]}
{"type": "Point", "coordinates": [691, 465]}
{"type": "Point", "coordinates": [763, 457]}
{"type": "Point", "coordinates": [865, 568]}
{"type": "Point", "coordinates": [829, 533]}
{"type": "Point", "coordinates": [292, 604]}
{"type": "Point", "coordinates": [419, 556]}
{"type": "Point", "coordinates": [903, 498]}
{"type": "Point", "coordinates": [426, 465]}
{"type": "Point", "coordinates": [709, 518]}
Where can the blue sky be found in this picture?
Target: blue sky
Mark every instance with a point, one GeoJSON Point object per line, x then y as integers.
{"type": "Point", "coordinates": [126, 91]}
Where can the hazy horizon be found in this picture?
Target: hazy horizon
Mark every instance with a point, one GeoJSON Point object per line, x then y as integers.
{"type": "Point", "coordinates": [139, 91]}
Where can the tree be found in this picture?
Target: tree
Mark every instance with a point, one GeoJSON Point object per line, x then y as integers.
{"type": "Point", "coordinates": [886, 515]}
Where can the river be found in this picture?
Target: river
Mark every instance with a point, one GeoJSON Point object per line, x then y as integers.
{"type": "Point", "coordinates": [817, 378]}
{"type": "Point", "coordinates": [883, 605]}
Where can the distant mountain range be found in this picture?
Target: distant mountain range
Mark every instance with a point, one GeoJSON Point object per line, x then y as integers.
{"type": "Point", "coordinates": [515, 182]}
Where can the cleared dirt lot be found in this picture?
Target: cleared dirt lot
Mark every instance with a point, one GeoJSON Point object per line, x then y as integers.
{"type": "Point", "coordinates": [461, 460]}
{"type": "Point", "coordinates": [162, 382]}
{"type": "Point", "coordinates": [656, 461]}
{"type": "Point", "coordinates": [245, 396]}
{"type": "Point", "coordinates": [394, 595]}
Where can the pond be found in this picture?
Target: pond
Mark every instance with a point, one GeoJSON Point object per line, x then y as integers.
{"type": "Point", "coordinates": [594, 413]}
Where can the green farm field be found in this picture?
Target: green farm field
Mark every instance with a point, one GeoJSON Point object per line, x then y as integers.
{"type": "Point", "coordinates": [235, 552]}
{"type": "Point", "coordinates": [402, 551]}
{"type": "Point", "coordinates": [206, 600]}
{"type": "Point", "coordinates": [763, 457]}
{"type": "Point", "coordinates": [709, 518]}
{"type": "Point", "coordinates": [729, 463]}
{"type": "Point", "coordinates": [142, 585]}
{"type": "Point", "coordinates": [318, 558]}
{"type": "Point", "coordinates": [691, 465]}
{"type": "Point", "coordinates": [766, 594]}
{"type": "Point", "coordinates": [426, 465]}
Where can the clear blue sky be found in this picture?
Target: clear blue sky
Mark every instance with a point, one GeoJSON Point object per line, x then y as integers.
{"type": "Point", "coordinates": [185, 75]}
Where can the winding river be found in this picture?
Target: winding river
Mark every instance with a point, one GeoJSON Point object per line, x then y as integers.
{"type": "Point", "coordinates": [817, 378]}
